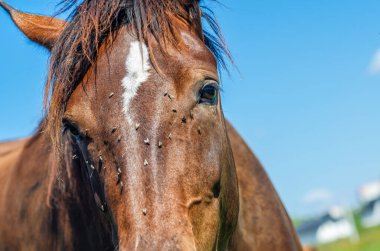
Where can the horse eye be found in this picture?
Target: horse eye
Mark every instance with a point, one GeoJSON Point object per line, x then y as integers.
{"type": "Point", "coordinates": [74, 132]}
{"type": "Point", "coordinates": [209, 94]}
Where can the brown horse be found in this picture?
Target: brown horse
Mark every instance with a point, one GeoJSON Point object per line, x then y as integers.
{"type": "Point", "coordinates": [134, 152]}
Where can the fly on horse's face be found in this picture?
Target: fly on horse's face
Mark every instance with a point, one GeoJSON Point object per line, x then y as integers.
{"type": "Point", "coordinates": [167, 165]}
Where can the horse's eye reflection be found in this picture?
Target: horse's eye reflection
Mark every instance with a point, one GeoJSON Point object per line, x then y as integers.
{"type": "Point", "coordinates": [209, 94]}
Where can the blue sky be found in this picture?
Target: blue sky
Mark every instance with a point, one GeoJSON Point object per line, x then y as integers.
{"type": "Point", "coordinates": [305, 98]}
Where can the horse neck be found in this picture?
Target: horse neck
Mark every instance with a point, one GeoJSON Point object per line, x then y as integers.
{"type": "Point", "coordinates": [72, 223]}
{"type": "Point", "coordinates": [24, 196]}
{"type": "Point", "coordinates": [263, 221]}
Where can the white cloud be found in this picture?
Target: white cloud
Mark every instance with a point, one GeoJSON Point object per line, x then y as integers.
{"type": "Point", "coordinates": [319, 195]}
{"type": "Point", "coordinates": [374, 67]}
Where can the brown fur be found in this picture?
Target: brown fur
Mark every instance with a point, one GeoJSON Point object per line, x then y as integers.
{"type": "Point", "coordinates": [263, 223]}
{"type": "Point", "coordinates": [191, 200]}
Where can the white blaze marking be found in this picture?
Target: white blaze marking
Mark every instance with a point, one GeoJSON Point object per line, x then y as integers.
{"type": "Point", "coordinates": [138, 66]}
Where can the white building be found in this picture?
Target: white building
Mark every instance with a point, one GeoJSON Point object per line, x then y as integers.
{"type": "Point", "coordinates": [370, 214]}
{"type": "Point", "coordinates": [330, 227]}
{"type": "Point", "coordinates": [369, 192]}
{"type": "Point", "coordinates": [369, 197]}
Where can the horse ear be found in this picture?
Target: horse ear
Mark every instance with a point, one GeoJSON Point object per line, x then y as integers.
{"type": "Point", "coordinates": [43, 30]}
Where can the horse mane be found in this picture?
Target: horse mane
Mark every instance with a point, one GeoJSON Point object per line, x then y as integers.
{"type": "Point", "coordinates": [92, 22]}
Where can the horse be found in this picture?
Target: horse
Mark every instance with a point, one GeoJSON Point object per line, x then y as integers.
{"type": "Point", "coordinates": [134, 152]}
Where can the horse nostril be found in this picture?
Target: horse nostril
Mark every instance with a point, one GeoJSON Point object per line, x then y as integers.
{"type": "Point", "coordinates": [216, 190]}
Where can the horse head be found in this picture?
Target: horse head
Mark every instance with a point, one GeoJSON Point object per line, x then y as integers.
{"type": "Point", "coordinates": [136, 120]}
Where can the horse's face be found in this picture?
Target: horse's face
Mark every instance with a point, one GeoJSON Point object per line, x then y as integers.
{"type": "Point", "coordinates": [158, 142]}
{"type": "Point", "coordinates": [167, 166]}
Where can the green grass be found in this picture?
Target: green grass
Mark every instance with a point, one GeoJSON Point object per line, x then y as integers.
{"type": "Point", "coordinates": [369, 241]}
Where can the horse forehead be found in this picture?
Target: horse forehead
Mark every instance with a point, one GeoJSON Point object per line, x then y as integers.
{"type": "Point", "coordinates": [192, 47]}
{"type": "Point", "coordinates": [189, 53]}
